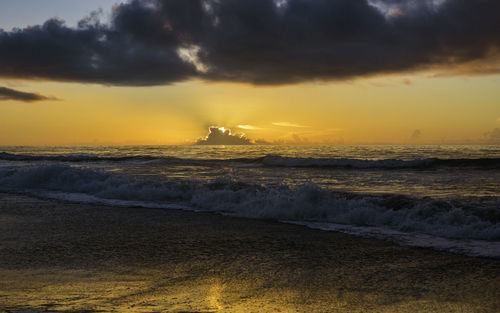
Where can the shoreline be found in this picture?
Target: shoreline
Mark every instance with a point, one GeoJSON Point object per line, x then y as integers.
{"type": "Point", "coordinates": [61, 256]}
{"type": "Point", "coordinates": [468, 247]}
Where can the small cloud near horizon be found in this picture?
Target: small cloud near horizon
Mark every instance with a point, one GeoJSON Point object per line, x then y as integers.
{"type": "Point", "coordinates": [221, 136]}
{"type": "Point", "coordinates": [16, 95]}
{"type": "Point", "coordinates": [417, 133]}
{"type": "Point", "coordinates": [493, 137]}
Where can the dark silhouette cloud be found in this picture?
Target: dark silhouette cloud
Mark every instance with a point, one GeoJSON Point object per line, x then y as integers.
{"type": "Point", "coordinates": [416, 135]}
{"type": "Point", "coordinates": [220, 136]}
{"type": "Point", "coordinates": [135, 50]}
{"type": "Point", "coordinates": [151, 42]}
{"type": "Point", "coordinates": [12, 94]}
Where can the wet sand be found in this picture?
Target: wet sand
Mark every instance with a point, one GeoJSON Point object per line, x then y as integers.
{"type": "Point", "coordinates": [57, 256]}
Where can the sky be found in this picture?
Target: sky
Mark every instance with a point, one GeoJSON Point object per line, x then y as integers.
{"type": "Point", "coordinates": [283, 72]}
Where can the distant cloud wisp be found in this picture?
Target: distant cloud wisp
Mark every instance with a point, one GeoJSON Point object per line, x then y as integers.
{"type": "Point", "coordinates": [249, 127]}
{"type": "Point", "coordinates": [262, 42]}
{"type": "Point", "coordinates": [16, 95]}
{"type": "Point", "coordinates": [287, 124]}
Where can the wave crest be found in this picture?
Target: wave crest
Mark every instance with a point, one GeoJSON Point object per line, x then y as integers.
{"type": "Point", "coordinates": [452, 218]}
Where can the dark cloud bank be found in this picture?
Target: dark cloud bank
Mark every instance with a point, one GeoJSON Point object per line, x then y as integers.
{"type": "Point", "coordinates": [12, 94]}
{"type": "Point", "coordinates": [154, 42]}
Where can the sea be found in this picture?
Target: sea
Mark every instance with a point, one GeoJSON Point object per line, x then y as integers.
{"type": "Point", "coordinates": [441, 197]}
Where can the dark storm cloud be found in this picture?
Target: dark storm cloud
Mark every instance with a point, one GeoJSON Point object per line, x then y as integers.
{"type": "Point", "coordinates": [153, 42]}
{"type": "Point", "coordinates": [135, 50]}
{"type": "Point", "coordinates": [338, 39]}
{"type": "Point", "coordinates": [16, 95]}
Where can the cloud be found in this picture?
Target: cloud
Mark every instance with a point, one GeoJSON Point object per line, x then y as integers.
{"type": "Point", "coordinates": [16, 95]}
{"type": "Point", "coordinates": [299, 140]}
{"type": "Point", "coordinates": [136, 49]}
{"type": "Point", "coordinates": [416, 135]}
{"type": "Point", "coordinates": [287, 124]}
{"type": "Point", "coordinates": [493, 137]}
{"type": "Point", "coordinates": [407, 82]}
{"type": "Point", "coordinates": [263, 42]}
{"type": "Point", "coordinates": [249, 127]}
{"type": "Point", "coordinates": [221, 136]}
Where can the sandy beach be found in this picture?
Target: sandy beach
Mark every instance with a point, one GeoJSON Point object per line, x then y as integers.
{"type": "Point", "coordinates": [57, 256]}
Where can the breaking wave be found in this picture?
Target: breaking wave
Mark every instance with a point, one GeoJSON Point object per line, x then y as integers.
{"type": "Point", "coordinates": [274, 161]}
{"type": "Point", "coordinates": [459, 219]}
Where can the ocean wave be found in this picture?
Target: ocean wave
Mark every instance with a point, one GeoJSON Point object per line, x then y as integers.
{"type": "Point", "coordinates": [477, 218]}
{"type": "Point", "coordinates": [271, 161]}
{"type": "Point", "coordinates": [74, 157]}
{"type": "Point", "coordinates": [279, 161]}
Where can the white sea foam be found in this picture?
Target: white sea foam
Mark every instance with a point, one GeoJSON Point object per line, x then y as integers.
{"type": "Point", "coordinates": [406, 219]}
{"type": "Point", "coordinates": [480, 248]}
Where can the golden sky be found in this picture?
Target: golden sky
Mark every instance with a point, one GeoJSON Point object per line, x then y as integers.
{"type": "Point", "coordinates": [161, 72]}
{"type": "Point", "coordinates": [387, 109]}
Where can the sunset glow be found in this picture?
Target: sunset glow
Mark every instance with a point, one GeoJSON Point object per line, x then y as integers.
{"type": "Point", "coordinates": [249, 156]}
{"type": "Point", "coordinates": [448, 103]}
{"type": "Point", "coordinates": [378, 110]}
